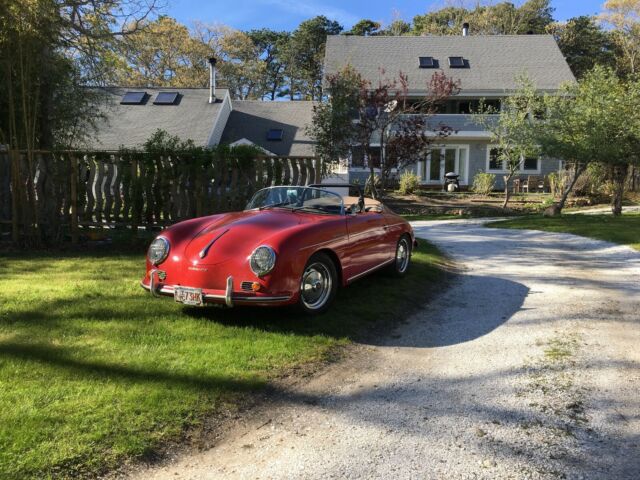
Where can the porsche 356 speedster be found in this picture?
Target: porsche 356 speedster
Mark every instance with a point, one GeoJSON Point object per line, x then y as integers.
{"type": "Point", "coordinates": [290, 246]}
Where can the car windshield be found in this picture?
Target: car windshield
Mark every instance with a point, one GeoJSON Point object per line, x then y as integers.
{"type": "Point", "coordinates": [309, 199]}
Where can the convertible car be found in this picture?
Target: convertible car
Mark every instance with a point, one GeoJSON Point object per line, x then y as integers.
{"type": "Point", "coordinates": [290, 246]}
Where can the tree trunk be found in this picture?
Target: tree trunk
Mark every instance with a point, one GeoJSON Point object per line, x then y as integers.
{"type": "Point", "coordinates": [580, 167]}
{"type": "Point", "coordinates": [619, 179]}
{"type": "Point", "coordinates": [507, 194]}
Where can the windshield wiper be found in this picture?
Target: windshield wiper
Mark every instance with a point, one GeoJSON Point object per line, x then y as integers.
{"type": "Point", "coordinates": [273, 205]}
{"type": "Point", "coordinates": [309, 207]}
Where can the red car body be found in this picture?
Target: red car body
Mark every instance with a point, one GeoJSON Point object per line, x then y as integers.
{"type": "Point", "coordinates": [356, 243]}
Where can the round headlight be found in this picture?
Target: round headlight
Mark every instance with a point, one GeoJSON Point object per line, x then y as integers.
{"type": "Point", "coordinates": [158, 250]}
{"type": "Point", "coordinates": [262, 260]}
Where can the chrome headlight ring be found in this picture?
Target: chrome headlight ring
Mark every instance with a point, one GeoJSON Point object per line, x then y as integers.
{"type": "Point", "coordinates": [262, 260]}
{"type": "Point", "coordinates": [158, 250]}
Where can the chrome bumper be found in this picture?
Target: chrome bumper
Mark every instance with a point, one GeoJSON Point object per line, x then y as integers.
{"type": "Point", "coordinates": [228, 298]}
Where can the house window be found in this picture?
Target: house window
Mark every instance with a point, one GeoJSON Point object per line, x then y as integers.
{"type": "Point", "coordinates": [358, 157]}
{"type": "Point", "coordinates": [444, 159]}
{"type": "Point", "coordinates": [495, 163]}
{"type": "Point", "coordinates": [456, 62]}
{"type": "Point", "coordinates": [530, 163]}
{"type": "Point", "coordinates": [428, 62]}
{"type": "Point", "coordinates": [275, 135]}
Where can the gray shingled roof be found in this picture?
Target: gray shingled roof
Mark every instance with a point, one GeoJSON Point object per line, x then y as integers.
{"type": "Point", "coordinates": [494, 60]}
{"type": "Point", "coordinates": [253, 119]}
{"type": "Point", "coordinates": [132, 125]}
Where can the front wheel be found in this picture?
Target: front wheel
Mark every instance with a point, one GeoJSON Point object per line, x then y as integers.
{"type": "Point", "coordinates": [318, 285]}
{"type": "Point", "coordinates": [402, 259]}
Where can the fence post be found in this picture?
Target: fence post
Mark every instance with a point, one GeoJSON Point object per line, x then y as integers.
{"type": "Point", "coordinates": [15, 194]}
{"type": "Point", "coordinates": [135, 211]}
{"type": "Point", "coordinates": [74, 200]}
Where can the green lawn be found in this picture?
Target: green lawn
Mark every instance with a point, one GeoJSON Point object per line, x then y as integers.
{"type": "Point", "coordinates": [94, 371]}
{"type": "Point", "coordinates": [624, 230]}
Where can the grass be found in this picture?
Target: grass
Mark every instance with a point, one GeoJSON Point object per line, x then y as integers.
{"type": "Point", "coordinates": [93, 371]}
{"type": "Point", "coordinates": [624, 230]}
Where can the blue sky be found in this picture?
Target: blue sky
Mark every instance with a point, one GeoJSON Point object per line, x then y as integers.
{"type": "Point", "coordinates": [287, 14]}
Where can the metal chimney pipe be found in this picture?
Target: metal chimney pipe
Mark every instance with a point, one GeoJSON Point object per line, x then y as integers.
{"type": "Point", "coordinates": [212, 79]}
{"type": "Point", "coordinates": [465, 29]}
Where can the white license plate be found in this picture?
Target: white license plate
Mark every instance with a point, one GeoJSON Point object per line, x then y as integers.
{"type": "Point", "coordinates": [188, 296]}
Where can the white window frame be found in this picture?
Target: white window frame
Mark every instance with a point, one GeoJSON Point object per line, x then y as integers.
{"type": "Point", "coordinates": [520, 171]}
{"type": "Point", "coordinates": [443, 147]}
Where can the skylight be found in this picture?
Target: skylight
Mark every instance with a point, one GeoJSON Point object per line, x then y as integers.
{"type": "Point", "coordinates": [275, 134]}
{"type": "Point", "coordinates": [166, 98]}
{"type": "Point", "coordinates": [134, 98]}
{"type": "Point", "coordinates": [456, 62]}
{"type": "Point", "coordinates": [428, 62]}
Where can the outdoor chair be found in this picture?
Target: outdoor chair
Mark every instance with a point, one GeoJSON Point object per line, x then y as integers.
{"type": "Point", "coordinates": [531, 184]}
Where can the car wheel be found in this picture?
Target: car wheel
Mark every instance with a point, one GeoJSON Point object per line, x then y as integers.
{"type": "Point", "coordinates": [318, 284]}
{"type": "Point", "coordinates": [402, 259]}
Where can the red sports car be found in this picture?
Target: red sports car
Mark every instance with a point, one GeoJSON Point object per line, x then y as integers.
{"type": "Point", "coordinates": [291, 245]}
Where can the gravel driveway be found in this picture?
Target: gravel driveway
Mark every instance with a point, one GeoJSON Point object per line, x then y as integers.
{"type": "Point", "coordinates": [527, 366]}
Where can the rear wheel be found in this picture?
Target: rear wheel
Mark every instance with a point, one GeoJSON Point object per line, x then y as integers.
{"type": "Point", "coordinates": [318, 285]}
{"type": "Point", "coordinates": [402, 258]}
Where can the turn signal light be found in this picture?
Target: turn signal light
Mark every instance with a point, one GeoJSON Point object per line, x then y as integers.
{"type": "Point", "coordinates": [255, 286]}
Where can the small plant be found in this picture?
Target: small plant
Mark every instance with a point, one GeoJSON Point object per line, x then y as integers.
{"type": "Point", "coordinates": [409, 183]}
{"type": "Point", "coordinates": [483, 183]}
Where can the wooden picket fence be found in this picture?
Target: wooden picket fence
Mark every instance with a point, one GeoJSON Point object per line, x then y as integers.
{"type": "Point", "coordinates": [51, 196]}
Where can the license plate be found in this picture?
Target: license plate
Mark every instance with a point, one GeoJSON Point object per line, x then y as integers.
{"type": "Point", "coordinates": [188, 296]}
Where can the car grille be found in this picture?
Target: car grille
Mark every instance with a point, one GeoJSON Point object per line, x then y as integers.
{"type": "Point", "coordinates": [246, 286]}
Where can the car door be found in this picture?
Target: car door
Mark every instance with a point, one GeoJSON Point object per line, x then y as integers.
{"type": "Point", "coordinates": [367, 243]}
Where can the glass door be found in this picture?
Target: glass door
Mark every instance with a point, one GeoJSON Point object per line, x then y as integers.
{"type": "Point", "coordinates": [442, 160]}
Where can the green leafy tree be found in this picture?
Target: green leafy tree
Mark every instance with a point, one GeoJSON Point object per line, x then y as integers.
{"type": "Point", "coordinates": [271, 47]}
{"type": "Point", "coordinates": [365, 27]}
{"type": "Point", "coordinates": [513, 130]}
{"type": "Point", "coordinates": [503, 18]}
{"type": "Point", "coordinates": [596, 120]}
{"type": "Point", "coordinates": [584, 44]}
{"type": "Point", "coordinates": [305, 57]}
{"type": "Point", "coordinates": [332, 128]}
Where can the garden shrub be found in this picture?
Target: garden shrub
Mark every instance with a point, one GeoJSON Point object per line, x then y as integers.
{"type": "Point", "coordinates": [483, 183]}
{"type": "Point", "coordinates": [409, 183]}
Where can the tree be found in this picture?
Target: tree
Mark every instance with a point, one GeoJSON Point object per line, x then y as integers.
{"type": "Point", "coordinates": [164, 54]}
{"type": "Point", "coordinates": [624, 17]}
{"type": "Point", "coordinates": [500, 19]}
{"type": "Point", "coordinates": [513, 130]}
{"type": "Point", "coordinates": [332, 128]}
{"type": "Point", "coordinates": [595, 120]}
{"type": "Point", "coordinates": [584, 44]}
{"type": "Point", "coordinates": [271, 47]}
{"type": "Point", "coordinates": [305, 57]}
{"type": "Point", "coordinates": [413, 132]}
{"type": "Point", "coordinates": [242, 70]}
{"type": "Point", "coordinates": [384, 117]}
{"type": "Point", "coordinates": [47, 50]}
{"type": "Point", "coordinates": [364, 27]}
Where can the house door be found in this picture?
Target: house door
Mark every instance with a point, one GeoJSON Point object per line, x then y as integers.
{"type": "Point", "coordinates": [442, 160]}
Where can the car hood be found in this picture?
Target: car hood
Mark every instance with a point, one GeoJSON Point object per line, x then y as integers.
{"type": "Point", "coordinates": [234, 234]}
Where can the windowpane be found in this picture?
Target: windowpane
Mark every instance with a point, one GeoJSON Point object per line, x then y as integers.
{"type": "Point", "coordinates": [495, 163]}
{"type": "Point", "coordinates": [434, 170]}
{"type": "Point", "coordinates": [357, 157]}
{"type": "Point", "coordinates": [530, 163]}
{"type": "Point", "coordinates": [375, 157]}
{"type": "Point", "coordinates": [462, 163]}
{"type": "Point", "coordinates": [449, 160]}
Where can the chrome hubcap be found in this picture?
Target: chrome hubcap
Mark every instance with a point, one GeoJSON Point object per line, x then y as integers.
{"type": "Point", "coordinates": [402, 255]}
{"type": "Point", "coordinates": [315, 287]}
